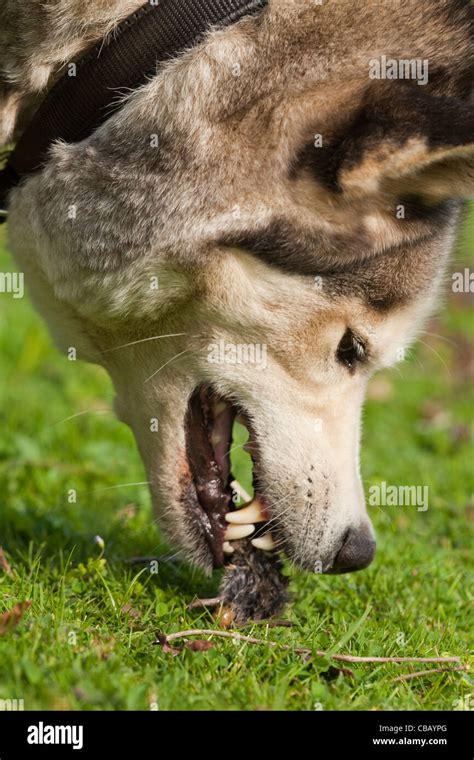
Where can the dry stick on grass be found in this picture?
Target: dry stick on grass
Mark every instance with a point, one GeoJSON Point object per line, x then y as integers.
{"type": "Point", "coordinates": [301, 650]}
{"type": "Point", "coordinates": [421, 673]}
{"type": "Point", "coordinates": [198, 603]}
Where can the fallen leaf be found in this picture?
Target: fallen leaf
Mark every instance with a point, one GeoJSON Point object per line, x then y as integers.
{"type": "Point", "coordinates": [161, 640]}
{"type": "Point", "coordinates": [132, 613]}
{"type": "Point", "coordinates": [4, 564]}
{"type": "Point", "coordinates": [332, 673]}
{"type": "Point", "coordinates": [195, 645]}
{"type": "Point", "coordinates": [199, 645]}
{"type": "Point", "coordinates": [171, 650]}
{"type": "Point", "coordinates": [11, 618]}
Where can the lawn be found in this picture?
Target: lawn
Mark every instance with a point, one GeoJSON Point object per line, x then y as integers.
{"type": "Point", "coordinates": [87, 641]}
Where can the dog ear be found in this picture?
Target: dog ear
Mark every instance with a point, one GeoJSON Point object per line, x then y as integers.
{"type": "Point", "coordinates": [405, 141]}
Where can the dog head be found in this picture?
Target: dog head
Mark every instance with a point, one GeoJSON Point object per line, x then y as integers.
{"type": "Point", "coordinates": [258, 230]}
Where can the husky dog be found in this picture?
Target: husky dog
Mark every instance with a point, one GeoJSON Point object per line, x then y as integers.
{"type": "Point", "coordinates": [279, 187]}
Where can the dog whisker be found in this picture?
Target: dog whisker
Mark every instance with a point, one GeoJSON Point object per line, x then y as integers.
{"type": "Point", "coordinates": [436, 353]}
{"type": "Point", "coordinates": [119, 485]}
{"type": "Point", "coordinates": [143, 340]}
{"type": "Point", "coordinates": [240, 446]}
{"type": "Point", "coordinates": [80, 414]}
{"type": "Point", "coordinates": [173, 358]}
{"type": "Point", "coordinates": [442, 337]}
{"type": "Point", "coordinates": [278, 518]}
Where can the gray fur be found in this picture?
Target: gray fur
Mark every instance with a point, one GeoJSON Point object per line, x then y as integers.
{"type": "Point", "coordinates": [234, 217]}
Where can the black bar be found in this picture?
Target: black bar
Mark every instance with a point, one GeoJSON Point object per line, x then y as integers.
{"type": "Point", "coordinates": [372, 734]}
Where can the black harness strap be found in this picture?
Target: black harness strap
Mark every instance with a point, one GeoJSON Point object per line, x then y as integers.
{"type": "Point", "coordinates": [78, 104]}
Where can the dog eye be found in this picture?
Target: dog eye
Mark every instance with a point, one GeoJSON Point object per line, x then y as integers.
{"type": "Point", "coordinates": [350, 350]}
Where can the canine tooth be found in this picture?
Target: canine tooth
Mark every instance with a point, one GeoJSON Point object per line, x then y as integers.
{"type": "Point", "coordinates": [228, 549]}
{"type": "Point", "coordinates": [235, 532]}
{"type": "Point", "coordinates": [266, 542]}
{"type": "Point", "coordinates": [252, 513]}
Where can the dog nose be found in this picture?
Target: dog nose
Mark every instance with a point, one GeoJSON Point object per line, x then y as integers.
{"type": "Point", "coordinates": [357, 551]}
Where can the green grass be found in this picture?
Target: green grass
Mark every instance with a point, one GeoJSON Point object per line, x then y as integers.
{"type": "Point", "coordinates": [77, 649]}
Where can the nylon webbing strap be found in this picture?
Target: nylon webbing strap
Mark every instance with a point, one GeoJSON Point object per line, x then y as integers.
{"type": "Point", "coordinates": [78, 104]}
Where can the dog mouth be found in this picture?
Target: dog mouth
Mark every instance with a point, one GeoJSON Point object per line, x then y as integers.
{"type": "Point", "coordinates": [209, 434]}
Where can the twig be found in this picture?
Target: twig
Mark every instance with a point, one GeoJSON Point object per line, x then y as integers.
{"type": "Point", "coordinates": [197, 603]}
{"type": "Point", "coordinates": [231, 635]}
{"type": "Point", "coordinates": [274, 623]}
{"type": "Point", "coordinates": [301, 650]}
{"type": "Point", "coordinates": [350, 658]}
{"type": "Point", "coordinates": [420, 673]}
{"type": "Point", "coordinates": [146, 560]}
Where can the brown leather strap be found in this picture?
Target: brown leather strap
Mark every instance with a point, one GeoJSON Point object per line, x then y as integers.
{"type": "Point", "coordinates": [78, 104]}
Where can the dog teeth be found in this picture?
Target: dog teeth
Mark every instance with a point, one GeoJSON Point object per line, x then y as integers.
{"type": "Point", "coordinates": [266, 542]}
{"type": "Point", "coordinates": [235, 532]}
{"type": "Point", "coordinates": [228, 549]}
{"type": "Point", "coordinates": [254, 512]}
